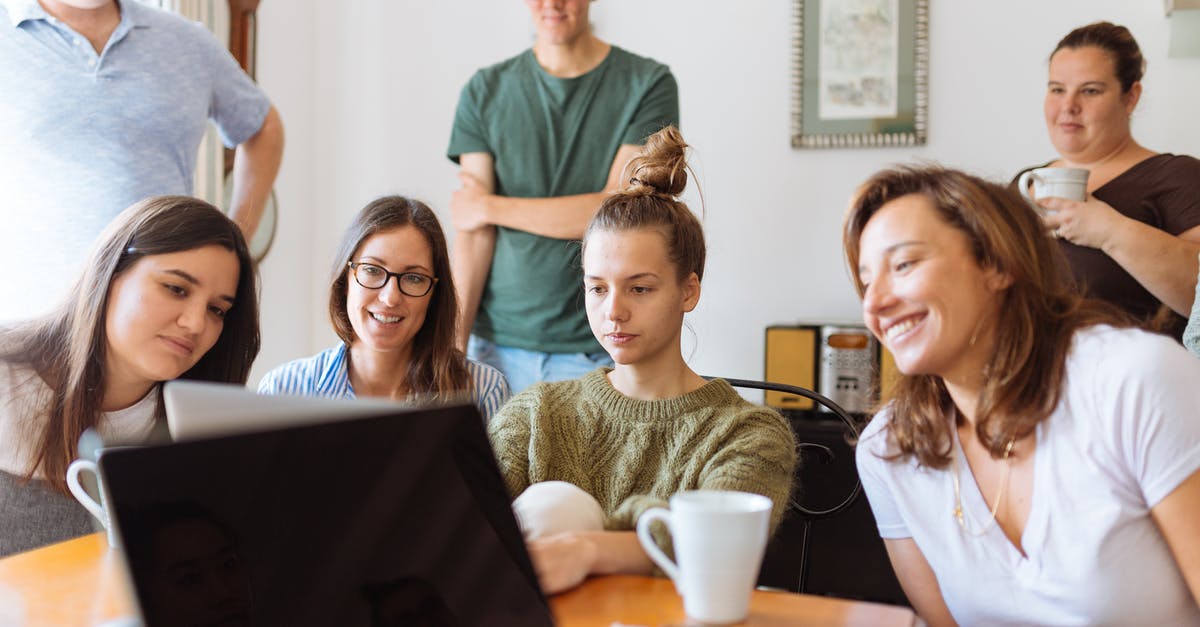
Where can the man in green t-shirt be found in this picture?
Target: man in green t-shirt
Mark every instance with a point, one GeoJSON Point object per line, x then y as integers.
{"type": "Point", "coordinates": [541, 138]}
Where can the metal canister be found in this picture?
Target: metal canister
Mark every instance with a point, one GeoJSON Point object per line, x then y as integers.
{"type": "Point", "coordinates": [847, 372]}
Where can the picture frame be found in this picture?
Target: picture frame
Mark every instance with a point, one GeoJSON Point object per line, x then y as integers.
{"type": "Point", "coordinates": [860, 73]}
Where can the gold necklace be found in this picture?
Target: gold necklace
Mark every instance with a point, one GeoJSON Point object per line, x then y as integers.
{"type": "Point", "coordinates": [960, 515]}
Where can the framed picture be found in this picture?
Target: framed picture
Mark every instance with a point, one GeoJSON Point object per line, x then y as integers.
{"type": "Point", "coordinates": [860, 74]}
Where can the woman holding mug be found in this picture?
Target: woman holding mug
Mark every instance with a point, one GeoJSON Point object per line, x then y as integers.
{"type": "Point", "coordinates": [1039, 462]}
{"type": "Point", "coordinates": [392, 304]}
{"type": "Point", "coordinates": [1134, 240]}
{"type": "Point", "coordinates": [168, 291]}
{"type": "Point", "coordinates": [584, 458]}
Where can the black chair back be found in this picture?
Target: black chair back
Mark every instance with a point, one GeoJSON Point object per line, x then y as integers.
{"type": "Point", "coordinates": [847, 558]}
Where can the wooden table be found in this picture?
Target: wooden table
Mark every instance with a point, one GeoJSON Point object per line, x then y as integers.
{"type": "Point", "coordinates": [78, 582]}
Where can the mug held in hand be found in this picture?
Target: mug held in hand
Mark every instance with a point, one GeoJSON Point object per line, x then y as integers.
{"type": "Point", "coordinates": [1069, 183]}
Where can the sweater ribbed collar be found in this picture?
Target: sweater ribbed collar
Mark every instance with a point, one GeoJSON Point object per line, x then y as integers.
{"type": "Point", "coordinates": [597, 387]}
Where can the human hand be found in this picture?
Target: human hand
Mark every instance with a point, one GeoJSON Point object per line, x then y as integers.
{"type": "Point", "coordinates": [468, 205]}
{"type": "Point", "coordinates": [1088, 223]}
{"type": "Point", "coordinates": [562, 561]}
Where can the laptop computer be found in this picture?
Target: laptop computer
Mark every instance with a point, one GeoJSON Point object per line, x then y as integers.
{"type": "Point", "coordinates": [199, 409]}
{"type": "Point", "coordinates": [397, 518]}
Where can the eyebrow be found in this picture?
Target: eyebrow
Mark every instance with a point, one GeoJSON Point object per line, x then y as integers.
{"type": "Point", "coordinates": [409, 268]}
{"type": "Point", "coordinates": [891, 249]}
{"type": "Point", "coordinates": [632, 277]}
{"type": "Point", "coordinates": [194, 281]}
{"type": "Point", "coordinates": [1084, 84]}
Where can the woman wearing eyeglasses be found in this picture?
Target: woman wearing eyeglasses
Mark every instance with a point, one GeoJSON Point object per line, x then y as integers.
{"type": "Point", "coordinates": [392, 303]}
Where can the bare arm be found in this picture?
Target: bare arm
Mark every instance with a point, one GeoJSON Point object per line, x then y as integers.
{"type": "Point", "coordinates": [918, 581]}
{"type": "Point", "coordinates": [563, 217]}
{"type": "Point", "coordinates": [564, 560]}
{"type": "Point", "coordinates": [1164, 264]}
{"type": "Point", "coordinates": [1176, 518]}
{"type": "Point", "coordinates": [471, 259]}
{"type": "Point", "coordinates": [255, 164]}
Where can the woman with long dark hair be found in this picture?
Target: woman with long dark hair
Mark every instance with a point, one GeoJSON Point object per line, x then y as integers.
{"type": "Point", "coordinates": [392, 304]}
{"type": "Point", "coordinates": [169, 291]}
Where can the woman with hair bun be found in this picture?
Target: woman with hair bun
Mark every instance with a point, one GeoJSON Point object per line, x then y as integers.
{"type": "Point", "coordinates": [584, 458]}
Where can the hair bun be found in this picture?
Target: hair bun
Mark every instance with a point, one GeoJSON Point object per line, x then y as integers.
{"type": "Point", "coordinates": [661, 168]}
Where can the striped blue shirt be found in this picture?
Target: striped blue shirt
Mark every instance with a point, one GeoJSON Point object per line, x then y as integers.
{"type": "Point", "coordinates": [328, 374]}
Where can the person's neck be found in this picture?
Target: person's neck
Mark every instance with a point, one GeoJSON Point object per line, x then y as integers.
{"type": "Point", "coordinates": [119, 394]}
{"type": "Point", "coordinates": [668, 377]}
{"type": "Point", "coordinates": [966, 381]}
{"type": "Point", "coordinates": [381, 374]}
{"type": "Point", "coordinates": [1121, 156]}
{"type": "Point", "coordinates": [95, 24]}
{"type": "Point", "coordinates": [569, 60]}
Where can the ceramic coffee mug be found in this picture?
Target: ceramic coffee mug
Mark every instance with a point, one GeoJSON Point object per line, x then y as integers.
{"type": "Point", "coordinates": [719, 539]}
{"type": "Point", "coordinates": [1069, 183]}
{"type": "Point", "coordinates": [99, 508]}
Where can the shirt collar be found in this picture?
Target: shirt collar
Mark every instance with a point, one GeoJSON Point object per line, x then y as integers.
{"type": "Point", "coordinates": [22, 10]}
{"type": "Point", "coordinates": [132, 13]}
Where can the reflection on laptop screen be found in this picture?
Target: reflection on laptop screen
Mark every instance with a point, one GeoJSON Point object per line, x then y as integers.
{"type": "Point", "coordinates": [400, 519]}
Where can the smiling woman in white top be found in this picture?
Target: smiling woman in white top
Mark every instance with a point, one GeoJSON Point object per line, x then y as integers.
{"type": "Point", "coordinates": [1040, 460]}
{"type": "Point", "coordinates": [168, 291]}
{"type": "Point", "coordinates": [392, 303]}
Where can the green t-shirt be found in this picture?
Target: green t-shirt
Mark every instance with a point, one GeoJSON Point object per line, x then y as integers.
{"type": "Point", "coordinates": [550, 137]}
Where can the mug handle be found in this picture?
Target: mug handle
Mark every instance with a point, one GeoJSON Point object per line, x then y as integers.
{"type": "Point", "coordinates": [80, 494]}
{"type": "Point", "coordinates": [650, 546]}
{"type": "Point", "coordinates": [1023, 182]}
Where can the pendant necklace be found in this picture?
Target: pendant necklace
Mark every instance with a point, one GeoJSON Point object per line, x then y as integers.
{"type": "Point", "coordinates": [960, 515]}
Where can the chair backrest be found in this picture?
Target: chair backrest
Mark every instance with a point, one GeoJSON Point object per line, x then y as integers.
{"type": "Point", "coordinates": [847, 558]}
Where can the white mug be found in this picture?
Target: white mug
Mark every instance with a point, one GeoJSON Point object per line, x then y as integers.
{"type": "Point", "coordinates": [719, 539]}
{"type": "Point", "coordinates": [1069, 183]}
{"type": "Point", "coordinates": [97, 509]}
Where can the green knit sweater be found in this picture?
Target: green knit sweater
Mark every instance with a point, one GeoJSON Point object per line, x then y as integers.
{"type": "Point", "coordinates": [632, 455]}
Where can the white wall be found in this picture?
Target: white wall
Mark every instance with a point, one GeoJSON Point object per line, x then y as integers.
{"type": "Point", "coordinates": [368, 98]}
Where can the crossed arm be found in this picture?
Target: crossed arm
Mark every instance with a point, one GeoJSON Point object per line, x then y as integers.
{"type": "Point", "coordinates": [476, 210]}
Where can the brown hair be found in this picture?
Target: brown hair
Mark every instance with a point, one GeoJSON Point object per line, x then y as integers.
{"type": "Point", "coordinates": [67, 348]}
{"type": "Point", "coordinates": [1117, 41]}
{"type": "Point", "coordinates": [438, 369]}
{"type": "Point", "coordinates": [1038, 314]}
{"type": "Point", "coordinates": [650, 201]}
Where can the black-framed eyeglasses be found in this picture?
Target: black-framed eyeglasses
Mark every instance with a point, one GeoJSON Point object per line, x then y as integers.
{"type": "Point", "coordinates": [374, 277]}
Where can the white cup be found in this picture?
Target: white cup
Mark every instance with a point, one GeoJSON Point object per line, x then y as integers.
{"type": "Point", "coordinates": [1069, 183]}
{"type": "Point", "coordinates": [719, 539]}
{"type": "Point", "coordinates": [97, 509]}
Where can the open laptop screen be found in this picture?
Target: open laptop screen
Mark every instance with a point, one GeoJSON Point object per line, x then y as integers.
{"type": "Point", "coordinates": [400, 519]}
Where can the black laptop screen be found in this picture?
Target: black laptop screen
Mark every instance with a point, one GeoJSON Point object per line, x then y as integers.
{"type": "Point", "coordinates": [393, 520]}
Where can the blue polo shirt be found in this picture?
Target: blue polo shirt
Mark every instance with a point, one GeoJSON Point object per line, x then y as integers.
{"type": "Point", "coordinates": [84, 135]}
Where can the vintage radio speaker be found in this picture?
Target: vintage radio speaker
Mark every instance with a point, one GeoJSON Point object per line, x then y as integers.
{"type": "Point", "coordinates": [792, 359]}
{"type": "Point", "coordinates": [888, 374]}
{"type": "Point", "coordinates": [797, 355]}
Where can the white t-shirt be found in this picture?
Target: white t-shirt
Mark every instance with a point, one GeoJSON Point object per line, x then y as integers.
{"type": "Point", "coordinates": [23, 400]}
{"type": "Point", "coordinates": [1125, 433]}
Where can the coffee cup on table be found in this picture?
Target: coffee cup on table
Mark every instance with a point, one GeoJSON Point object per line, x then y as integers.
{"type": "Point", "coordinates": [1069, 183]}
{"type": "Point", "coordinates": [90, 491]}
{"type": "Point", "coordinates": [719, 538]}
{"type": "Point", "coordinates": [97, 506]}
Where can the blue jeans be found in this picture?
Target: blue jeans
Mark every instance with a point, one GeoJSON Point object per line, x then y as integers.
{"type": "Point", "coordinates": [523, 368]}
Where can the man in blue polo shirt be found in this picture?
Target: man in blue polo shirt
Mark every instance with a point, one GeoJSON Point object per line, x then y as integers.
{"type": "Point", "coordinates": [104, 103]}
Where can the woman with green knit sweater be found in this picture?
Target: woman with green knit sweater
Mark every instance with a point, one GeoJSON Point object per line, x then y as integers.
{"type": "Point", "coordinates": [584, 458]}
